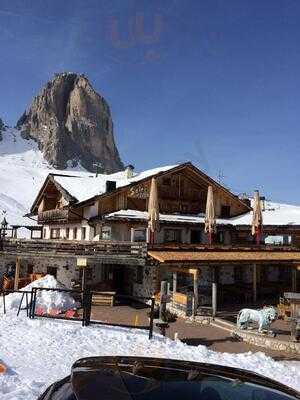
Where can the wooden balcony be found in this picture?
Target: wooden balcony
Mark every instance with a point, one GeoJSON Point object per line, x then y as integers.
{"type": "Point", "coordinates": [58, 215]}
{"type": "Point", "coordinates": [104, 251]}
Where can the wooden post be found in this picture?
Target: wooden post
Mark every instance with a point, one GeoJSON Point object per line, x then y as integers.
{"type": "Point", "coordinates": [214, 291]}
{"type": "Point", "coordinates": [196, 296]}
{"type": "Point", "coordinates": [254, 282]}
{"type": "Point", "coordinates": [83, 282]}
{"type": "Point", "coordinates": [17, 273]}
{"type": "Point", "coordinates": [163, 299]}
{"type": "Point", "coordinates": [294, 279]}
{"type": "Point", "coordinates": [174, 282]}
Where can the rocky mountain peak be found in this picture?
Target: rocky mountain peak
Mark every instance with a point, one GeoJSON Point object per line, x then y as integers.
{"type": "Point", "coordinates": [71, 122]}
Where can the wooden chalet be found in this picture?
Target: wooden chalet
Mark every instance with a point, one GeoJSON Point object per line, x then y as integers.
{"type": "Point", "coordinates": [91, 216]}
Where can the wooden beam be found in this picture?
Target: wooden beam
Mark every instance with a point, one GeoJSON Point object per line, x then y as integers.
{"type": "Point", "coordinates": [174, 282]}
{"type": "Point", "coordinates": [294, 279]}
{"type": "Point", "coordinates": [196, 295]}
{"type": "Point", "coordinates": [214, 293]}
{"type": "Point", "coordinates": [17, 273]}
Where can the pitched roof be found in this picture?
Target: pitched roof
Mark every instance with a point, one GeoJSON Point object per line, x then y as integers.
{"type": "Point", "coordinates": [82, 188]}
{"type": "Point", "coordinates": [85, 188]}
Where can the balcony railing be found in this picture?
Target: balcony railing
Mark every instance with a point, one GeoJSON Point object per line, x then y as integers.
{"type": "Point", "coordinates": [56, 215]}
{"type": "Point", "coordinates": [72, 248]}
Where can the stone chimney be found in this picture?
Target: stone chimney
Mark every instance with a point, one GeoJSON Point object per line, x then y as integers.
{"type": "Point", "coordinates": [129, 171]}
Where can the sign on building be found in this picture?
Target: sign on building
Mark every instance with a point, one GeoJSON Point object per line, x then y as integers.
{"type": "Point", "coordinates": [81, 262]}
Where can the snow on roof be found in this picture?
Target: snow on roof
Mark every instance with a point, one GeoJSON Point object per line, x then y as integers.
{"type": "Point", "coordinates": [274, 214]}
{"type": "Point", "coordinates": [84, 188]}
{"type": "Point", "coordinates": [143, 215]}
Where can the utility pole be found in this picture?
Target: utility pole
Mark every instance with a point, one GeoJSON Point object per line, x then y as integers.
{"type": "Point", "coordinates": [98, 165]}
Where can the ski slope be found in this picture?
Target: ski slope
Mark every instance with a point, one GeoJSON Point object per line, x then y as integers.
{"type": "Point", "coordinates": [22, 172]}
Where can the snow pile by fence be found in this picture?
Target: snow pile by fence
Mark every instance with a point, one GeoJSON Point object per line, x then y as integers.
{"type": "Point", "coordinates": [47, 300]}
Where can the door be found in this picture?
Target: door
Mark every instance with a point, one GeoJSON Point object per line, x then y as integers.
{"type": "Point", "coordinates": [195, 236]}
{"type": "Point", "coordinates": [118, 279]}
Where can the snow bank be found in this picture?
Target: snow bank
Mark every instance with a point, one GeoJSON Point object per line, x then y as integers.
{"type": "Point", "coordinates": [48, 300]}
{"type": "Point", "coordinates": [39, 352]}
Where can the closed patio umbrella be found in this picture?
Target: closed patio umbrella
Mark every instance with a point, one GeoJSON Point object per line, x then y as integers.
{"type": "Point", "coordinates": [153, 210]}
{"type": "Point", "coordinates": [210, 219]}
{"type": "Point", "coordinates": [257, 218]}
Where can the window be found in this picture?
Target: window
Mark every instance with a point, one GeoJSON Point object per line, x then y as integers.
{"type": "Point", "coordinates": [75, 233]}
{"type": "Point", "coordinates": [196, 236]}
{"type": "Point", "coordinates": [83, 233]}
{"type": "Point", "coordinates": [52, 271]}
{"type": "Point", "coordinates": [172, 236]}
{"type": "Point", "coordinates": [55, 233]}
{"type": "Point", "coordinates": [44, 233]}
{"type": "Point", "coordinates": [68, 233]}
{"type": "Point", "coordinates": [219, 237]}
{"type": "Point", "coordinates": [139, 235]}
{"type": "Point", "coordinates": [225, 212]}
{"type": "Point", "coordinates": [106, 233]}
{"type": "Point", "coordinates": [29, 269]}
{"type": "Point", "coordinates": [140, 275]}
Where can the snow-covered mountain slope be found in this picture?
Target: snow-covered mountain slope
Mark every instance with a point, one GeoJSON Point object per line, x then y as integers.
{"type": "Point", "coordinates": [22, 172]}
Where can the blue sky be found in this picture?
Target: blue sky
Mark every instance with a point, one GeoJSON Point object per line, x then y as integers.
{"type": "Point", "coordinates": [211, 81]}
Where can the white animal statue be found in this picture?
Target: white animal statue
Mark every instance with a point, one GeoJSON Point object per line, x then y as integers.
{"type": "Point", "coordinates": [263, 317]}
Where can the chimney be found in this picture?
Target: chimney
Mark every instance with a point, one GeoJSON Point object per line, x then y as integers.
{"type": "Point", "coordinates": [247, 202]}
{"type": "Point", "coordinates": [263, 203]}
{"type": "Point", "coordinates": [111, 186]}
{"type": "Point", "coordinates": [129, 171]}
{"type": "Point", "coordinates": [245, 199]}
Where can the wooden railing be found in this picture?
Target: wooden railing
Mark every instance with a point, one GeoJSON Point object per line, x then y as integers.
{"type": "Point", "coordinates": [73, 248]}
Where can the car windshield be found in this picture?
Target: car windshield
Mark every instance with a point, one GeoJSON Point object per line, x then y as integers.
{"type": "Point", "coordinates": [206, 388]}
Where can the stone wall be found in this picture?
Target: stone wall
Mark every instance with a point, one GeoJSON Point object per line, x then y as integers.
{"type": "Point", "coordinates": [147, 288]}
{"type": "Point", "coordinates": [268, 342]}
{"type": "Point", "coordinates": [66, 270]}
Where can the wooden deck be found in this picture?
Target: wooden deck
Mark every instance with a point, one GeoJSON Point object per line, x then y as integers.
{"type": "Point", "coordinates": [105, 251]}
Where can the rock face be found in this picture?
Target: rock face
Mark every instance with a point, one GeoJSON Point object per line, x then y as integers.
{"type": "Point", "coordinates": [72, 123]}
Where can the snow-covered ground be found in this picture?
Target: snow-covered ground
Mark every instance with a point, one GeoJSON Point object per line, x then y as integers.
{"type": "Point", "coordinates": [38, 352]}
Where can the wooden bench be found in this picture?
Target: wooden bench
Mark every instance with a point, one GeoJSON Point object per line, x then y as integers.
{"type": "Point", "coordinates": [103, 299]}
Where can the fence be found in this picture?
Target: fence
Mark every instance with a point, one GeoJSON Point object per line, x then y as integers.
{"type": "Point", "coordinates": [130, 302]}
{"type": "Point", "coordinates": [84, 298]}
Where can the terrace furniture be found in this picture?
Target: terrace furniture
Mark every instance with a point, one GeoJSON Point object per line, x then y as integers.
{"type": "Point", "coordinates": [103, 299]}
